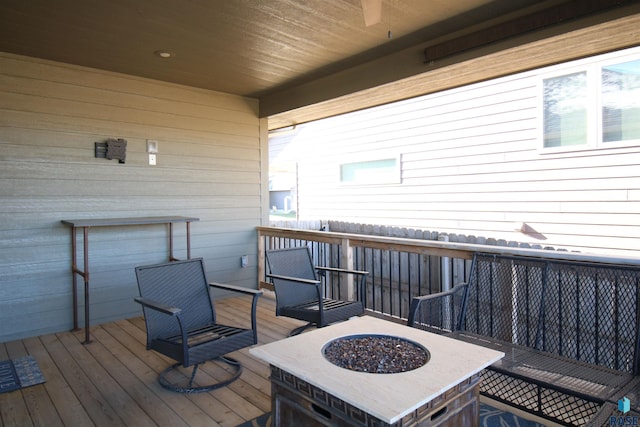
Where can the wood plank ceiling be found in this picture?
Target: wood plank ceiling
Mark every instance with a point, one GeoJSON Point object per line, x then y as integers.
{"type": "Point", "coordinates": [307, 59]}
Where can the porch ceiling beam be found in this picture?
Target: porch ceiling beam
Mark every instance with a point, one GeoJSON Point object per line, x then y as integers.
{"type": "Point", "coordinates": [555, 15]}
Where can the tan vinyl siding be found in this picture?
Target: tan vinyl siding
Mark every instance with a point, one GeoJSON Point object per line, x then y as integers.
{"type": "Point", "coordinates": [208, 166]}
{"type": "Point", "coordinates": [471, 164]}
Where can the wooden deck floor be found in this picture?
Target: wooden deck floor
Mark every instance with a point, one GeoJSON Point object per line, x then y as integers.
{"type": "Point", "coordinates": [113, 380]}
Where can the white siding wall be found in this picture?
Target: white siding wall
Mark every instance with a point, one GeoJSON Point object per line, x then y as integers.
{"type": "Point", "coordinates": [471, 165]}
{"type": "Point", "coordinates": [209, 166]}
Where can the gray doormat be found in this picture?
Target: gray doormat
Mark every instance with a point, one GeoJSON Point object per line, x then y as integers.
{"type": "Point", "coordinates": [19, 373]}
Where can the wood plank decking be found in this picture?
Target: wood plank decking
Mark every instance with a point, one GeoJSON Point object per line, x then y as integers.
{"type": "Point", "coordinates": [113, 380]}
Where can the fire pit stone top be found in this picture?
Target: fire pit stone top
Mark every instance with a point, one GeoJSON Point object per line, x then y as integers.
{"type": "Point", "coordinates": [377, 354]}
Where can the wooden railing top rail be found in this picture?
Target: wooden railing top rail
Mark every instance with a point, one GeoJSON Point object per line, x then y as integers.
{"type": "Point", "coordinates": [432, 247]}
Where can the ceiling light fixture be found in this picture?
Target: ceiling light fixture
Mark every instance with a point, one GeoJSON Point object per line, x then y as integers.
{"type": "Point", "coordinates": [163, 54]}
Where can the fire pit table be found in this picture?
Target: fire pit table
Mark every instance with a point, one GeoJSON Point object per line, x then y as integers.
{"type": "Point", "coordinates": [373, 372]}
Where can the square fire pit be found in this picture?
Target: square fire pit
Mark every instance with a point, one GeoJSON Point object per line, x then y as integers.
{"type": "Point", "coordinates": [369, 371]}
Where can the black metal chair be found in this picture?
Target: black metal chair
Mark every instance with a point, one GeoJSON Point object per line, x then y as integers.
{"type": "Point", "coordinates": [181, 322]}
{"type": "Point", "coordinates": [300, 294]}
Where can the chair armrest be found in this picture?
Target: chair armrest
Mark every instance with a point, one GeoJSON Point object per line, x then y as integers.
{"type": "Point", "coordinates": [235, 288]}
{"type": "Point", "coordinates": [361, 273]}
{"type": "Point", "coordinates": [442, 294]}
{"type": "Point", "coordinates": [294, 279]}
{"type": "Point", "coordinates": [416, 302]}
{"type": "Point", "coordinates": [255, 293]}
{"type": "Point", "coordinates": [342, 270]}
{"type": "Point", "coordinates": [157, 306]}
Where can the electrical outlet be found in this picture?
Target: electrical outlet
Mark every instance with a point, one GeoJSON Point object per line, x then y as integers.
{"type": "Point", "coordinates": [244, 261]}
{"type": "Point", "coordinates": [152, 159]}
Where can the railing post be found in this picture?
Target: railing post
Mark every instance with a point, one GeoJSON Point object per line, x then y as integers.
{"type": "Point", "coordinates": [445, 268]}
{"type": "Point", "coordinates": [347, 262]}
{"type": "Point", "coordinates": [445, 285]}
{"type": "Point", "coordinates": [261, 251]}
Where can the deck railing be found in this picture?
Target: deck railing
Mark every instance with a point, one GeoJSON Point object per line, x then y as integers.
{"type": "Point", "coordinates": [399, 268]}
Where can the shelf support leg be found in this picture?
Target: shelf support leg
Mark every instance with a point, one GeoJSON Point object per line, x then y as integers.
{"type": "Point", "coordinates": [188, 240]}
{"type": "Point", "coordinates": [87, 322]}
{"type": "Point", "coordinates": [74, 269]}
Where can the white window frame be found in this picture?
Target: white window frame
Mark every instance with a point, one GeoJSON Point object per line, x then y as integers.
{"type": "Point", "coordinates": [612, 61]}
{"type": "Point", "coordinates": [394, 179]}
{"type": "Point", "coordinates": [593, 68]}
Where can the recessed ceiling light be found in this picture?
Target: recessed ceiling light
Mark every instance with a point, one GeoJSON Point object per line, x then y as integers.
{"type": "Point", "coordinates": [163, 53]}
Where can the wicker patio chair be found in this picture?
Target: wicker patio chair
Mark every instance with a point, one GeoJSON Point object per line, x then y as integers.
{"type": "Point", "coordinates": [181, 322]}
{"type": "Point", "coordinates": [300, 294]}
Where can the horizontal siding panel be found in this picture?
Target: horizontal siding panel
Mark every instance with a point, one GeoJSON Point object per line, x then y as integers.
{"type": "Point", "coordinates": [436, 106]}
{"type": "Point", "coordinates": [102, 129]}
{"type": "Point", "coordinates": [624, 207]}
{"type": "Point", "coordinates": [47, 71]}
{"type": "Point", "coordinates": [509, 144]}
{"type": "Point", "coordinates": [115, 205]}
{"type": "Point", "coordinates": [179, 119]}
{"type": "Point", "coordinates": [427, 202]}
{"type": "Point", "coordinates": [45, 223]}
{"type": "Point", "coordinates": [56, 187]}
{"type": "Point", "coordinates": [384, 129]}
{"type": "Point", "coordinates": [509, 139]}
{"type": "Point", "coordinates": [133, 101]}
{"type": "Point", "coordinates": [491, 162]}
{"type": "Point", "coordinates": [171, 170]}
{"type": "Point", "coordinates": [536, 172]}
{"type": "Point", "coordinates": [481, 190]}
{"type": "Point", "coordinates": [594, 218]}
{"type": "Point", "coordinates": [442, 132]}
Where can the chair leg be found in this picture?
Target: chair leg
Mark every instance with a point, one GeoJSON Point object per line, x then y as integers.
{"type": "Point", "coordinates": [300, 329]}
{"type": "Point", "coordinates": [189, 388]}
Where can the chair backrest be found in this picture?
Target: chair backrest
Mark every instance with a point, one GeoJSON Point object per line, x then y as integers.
{"type": "Point", "coordinates": [591, 313]}
{"type": "Point", "coordinates": [179, 284]}
{"type": "Point", "coordinates": [292, 262]}
{"type": "Point", "coordinates": [581, 310]}
{"type": "Point", "coordinates": [504, 297]}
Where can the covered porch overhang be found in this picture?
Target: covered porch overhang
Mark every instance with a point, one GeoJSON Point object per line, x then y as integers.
{"type": "Point", "coordinates": [458, 59]}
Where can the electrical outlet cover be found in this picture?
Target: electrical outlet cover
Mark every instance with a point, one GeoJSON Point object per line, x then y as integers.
{"type": "Point", "coordinates": [152, 146]}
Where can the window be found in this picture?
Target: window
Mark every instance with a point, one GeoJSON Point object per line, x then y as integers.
{"type": "Point", "coordinates": [596, 106]}
{"type": "Point", "coordinates": [380, 171]}
{"type": "Point", "coordinates": [565, 110]}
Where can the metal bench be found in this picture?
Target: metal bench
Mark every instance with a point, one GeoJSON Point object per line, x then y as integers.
{"type": "Point", "coordinates": [569, 330]}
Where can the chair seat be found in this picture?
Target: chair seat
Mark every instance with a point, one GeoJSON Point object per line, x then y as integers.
{"type": "Point", "coordinates": [327, 304]}
{"type": "Point", "coordinates": [206, 334]}
{"type": "Point", "coordinates": [333, 311]}
{"type": "Point", "coordinates": [589, 381]}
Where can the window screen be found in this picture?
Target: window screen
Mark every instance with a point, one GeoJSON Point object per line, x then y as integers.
{"type": "Point", "coordinates": [621, 102]}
